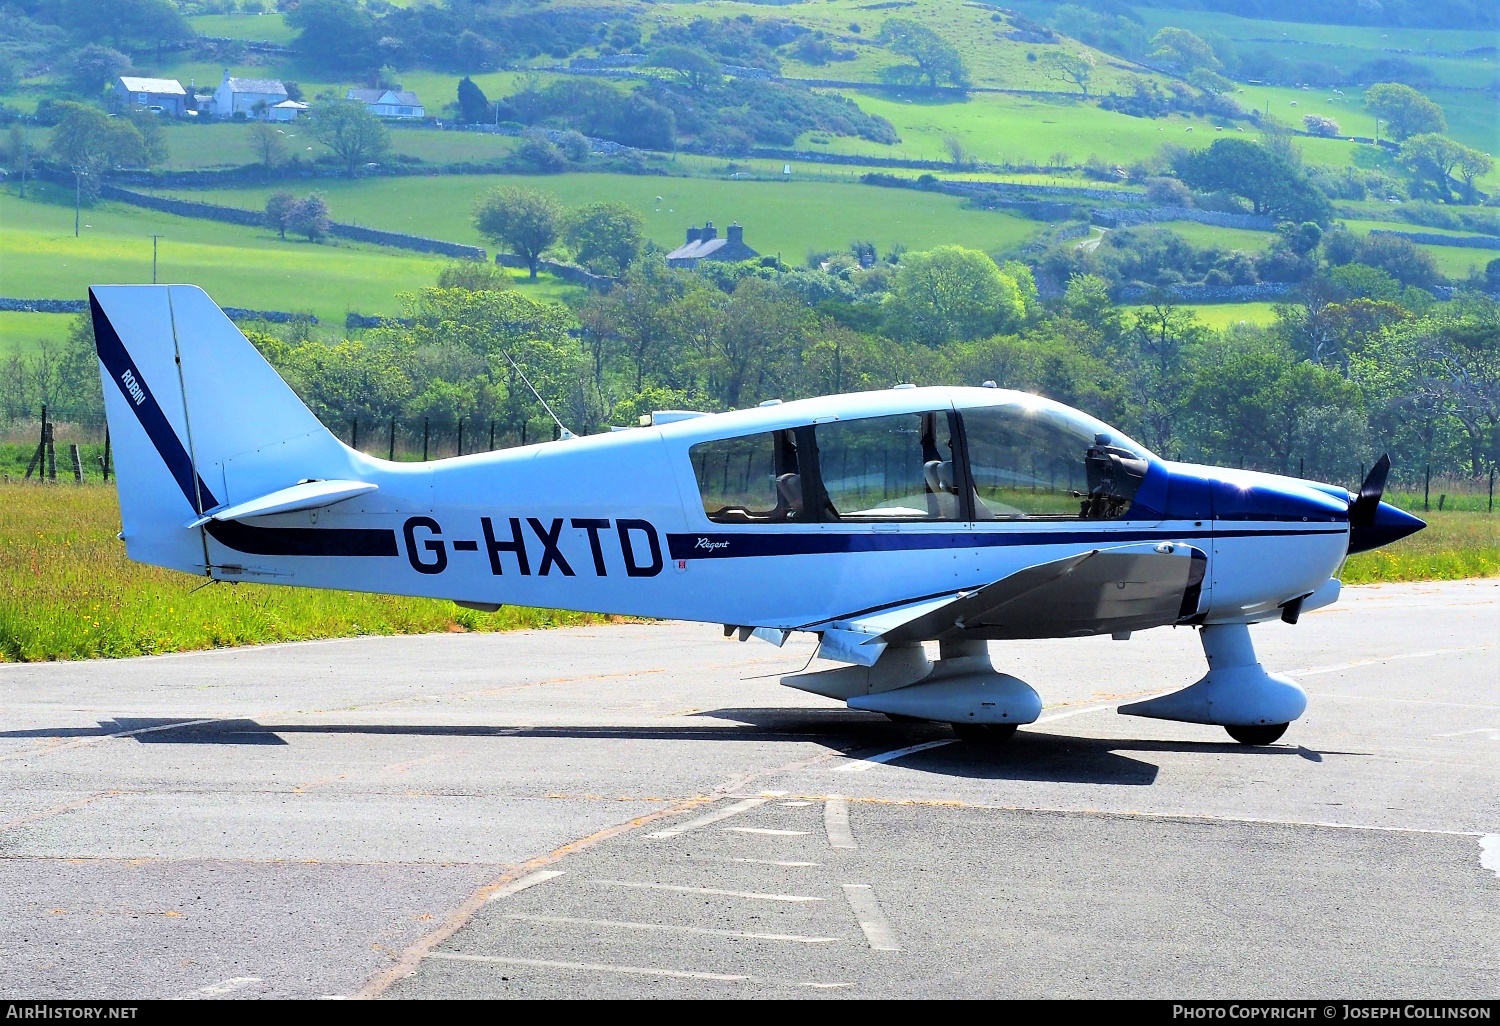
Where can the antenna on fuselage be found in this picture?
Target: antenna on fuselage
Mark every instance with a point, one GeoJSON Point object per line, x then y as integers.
{"type": "Point", "coordinates": [563, 432]}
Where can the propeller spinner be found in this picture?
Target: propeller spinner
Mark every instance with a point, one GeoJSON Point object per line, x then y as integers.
{"type": "Point", "coordinates": [1373, 523]}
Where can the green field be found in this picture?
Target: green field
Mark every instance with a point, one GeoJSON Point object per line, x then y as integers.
{"type": "Point", "coordinates": [791, 218]}
{"type": "Point", "coordinates": [19, 332]}
{"type": "Point", "coordinates": [1222, 315]}
{"type": "Point", "coordinates": [240, 266]}
{"type": "Point", "coordinates": [225, 144]}
{"type": "Point", "coordinates": [68, 592]}
{"type": "Point", "coordinates": [263, 28]}
{"type": "Point", "coordinates": [1207, 235]}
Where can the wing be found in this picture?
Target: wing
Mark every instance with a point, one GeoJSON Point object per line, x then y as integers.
{"type": "Point", "coordinates": [1101, 591]}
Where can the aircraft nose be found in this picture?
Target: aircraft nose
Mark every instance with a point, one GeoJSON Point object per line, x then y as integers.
{"type": "Point", "coordinates": [1389, 524]}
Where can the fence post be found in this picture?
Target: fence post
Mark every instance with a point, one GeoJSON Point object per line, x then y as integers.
{"type": "Point", "coordinates": [523, 432]}
{"type": "Point", "coordinates": [1302, 473]}
{"type": "Point", "coordinates": [77, 462]}
{"type": "Point", "coordinates": [392, 455]}
{"type": "Point", "coordinates": [51, 452]}
{"type": "Point", "coordinates": [460, 436]}
{"type": "Point", "coordinates": [354, 433]}
{"type": "Point", "coordinates": [106, 452]}
{"type": "Point", "coordinates": [424, 439]}
{"type": "Point", "coordinates": [1492, 489]}
{"type": "Point", "coordinates": [1426, 486]}
{"type": "Point", "coordinates": [492, 449]}
{"type": "Point", "coordinates": [39, 458]}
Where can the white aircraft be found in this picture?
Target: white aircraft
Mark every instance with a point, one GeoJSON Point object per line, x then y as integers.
{"type": "Point", "coordinates": [878, 521]}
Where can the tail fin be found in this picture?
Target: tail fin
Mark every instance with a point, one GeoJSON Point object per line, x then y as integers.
{"type": "Point", "coordinates": [198, 419]}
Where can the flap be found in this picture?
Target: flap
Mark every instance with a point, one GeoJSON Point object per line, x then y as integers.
{"type": "Point", "coordinates": [307, 495]}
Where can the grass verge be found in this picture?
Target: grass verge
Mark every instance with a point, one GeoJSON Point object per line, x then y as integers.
{"type": "Point", "coordinates": [68, 592]}
{"type": "Point", "coordinates": [1454, 546]}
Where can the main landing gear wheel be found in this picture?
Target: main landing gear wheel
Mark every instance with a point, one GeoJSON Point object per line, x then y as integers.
{"type": "Point", "coordinates": [1260, 734]}
{"type": "Point", "coordinates": [985, 733]}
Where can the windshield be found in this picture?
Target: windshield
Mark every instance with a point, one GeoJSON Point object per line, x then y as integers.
{"type": "Point", "coordinates": [1042, 460]}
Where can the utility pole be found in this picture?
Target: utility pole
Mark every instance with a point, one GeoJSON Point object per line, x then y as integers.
{"type": "Point", "coordinates": [153, 256]}
{"type": "Point", "coordinates": [77, 201]}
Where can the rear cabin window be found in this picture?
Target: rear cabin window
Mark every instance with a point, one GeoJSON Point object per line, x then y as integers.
{"type": "Point", "coordinates": [751, 479]}
{"type": "Point", "coordinates": [889, 468]}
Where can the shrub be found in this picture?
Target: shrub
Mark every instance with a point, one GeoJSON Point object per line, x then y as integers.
{"type": "Point", "coordinates": [1317, 124]}
{"type": "Point", "coordinates": [1168, 192]}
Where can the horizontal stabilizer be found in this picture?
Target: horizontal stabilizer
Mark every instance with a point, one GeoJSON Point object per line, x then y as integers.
{"type": "Point", "coordinates": [307, 495]}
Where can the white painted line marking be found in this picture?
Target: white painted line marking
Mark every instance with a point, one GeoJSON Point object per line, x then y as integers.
{"type": "Point", "coordinates": [1493, 732]}
{"type": "Point", "coordinates": [872, 921]}
{"type": "Point", "coordinates": [1310, 671]}
{"type": "Point", "coordinates": [861, 765]}
{"type": "Point", "coordinates": [766, 832]}
{"type": "Point", "coordinates": [712, 817]}
{"type": "Point", "coordinates": [826, 986]}
{"type": "Point", "coordinates": [794, 805]}
{"type": "Point", "coordinates": [529, 880]}
{"type": "Point", "coordinates": [778, 862]}
{"type": "Point", "coordinates": [791, 938]}
{"type": "Point", "coordinates": [95, 739]}
{"type": "Point", "coordinates": [1076, 712]}
{"type": "Point", "coordinates": [593, 967]}
{"type": "Point", "coordinates": [1489, 852]}
{"type": "Point", "coordinates": [706, 890]}
{"type": "Point", "coordinates": [836, 822]}
{"type": "Point", "coordinates": [228, 986]}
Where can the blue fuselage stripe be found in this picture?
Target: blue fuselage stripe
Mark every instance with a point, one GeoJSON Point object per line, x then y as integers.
{"type": "Point", "coordinates": [748, 544]}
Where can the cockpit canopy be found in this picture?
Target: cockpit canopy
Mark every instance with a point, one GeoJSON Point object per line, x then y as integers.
{"type": "Point", "coordinates": [1011, 460]}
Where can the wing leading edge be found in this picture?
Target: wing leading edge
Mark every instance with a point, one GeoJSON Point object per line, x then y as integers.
{"type": "Point", "coordinates": [1102, 591]}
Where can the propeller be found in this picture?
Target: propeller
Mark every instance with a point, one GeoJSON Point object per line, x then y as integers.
{"type": "Point", "coordinates": [1362, 509]}
{"type": "Point", "coordinates": [1373, 523]}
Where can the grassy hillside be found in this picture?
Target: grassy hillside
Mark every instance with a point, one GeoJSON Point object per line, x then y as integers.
{"type": "Point", "coordinates": [792, 218]}
{"type": "Point", "coordinates": [249, 267]}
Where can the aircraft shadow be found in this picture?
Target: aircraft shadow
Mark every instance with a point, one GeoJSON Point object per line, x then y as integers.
{"type": "Point", "coordinates": [1032, 755]}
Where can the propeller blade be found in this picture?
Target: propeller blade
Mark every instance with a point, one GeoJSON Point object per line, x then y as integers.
{"type": "Point", "coordinates": [1362, 509]}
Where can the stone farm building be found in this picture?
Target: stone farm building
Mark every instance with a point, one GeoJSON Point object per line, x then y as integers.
{"type": "Point", "coordinates": [127, 93]}
{"type": "Point", "coordinates": [388, 103]}
{"type": "Point", "coordinates": [243, 95]}
{"type": "Point", "coordinates": [705, 244]}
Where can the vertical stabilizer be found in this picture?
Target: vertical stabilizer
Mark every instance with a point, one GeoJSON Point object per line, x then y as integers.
{"type": "Point", "coordinates": [198, 419]}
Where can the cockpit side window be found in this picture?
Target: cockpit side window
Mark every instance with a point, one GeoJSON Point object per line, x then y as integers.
{"type": "Point", "coordinates": [901, 467]}
{"type": "Point", "coordinates": [752, 479]}
{"type": "Point", "coordinates": [1039, 462]}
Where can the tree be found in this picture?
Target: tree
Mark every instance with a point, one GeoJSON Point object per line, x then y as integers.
{"type": "Point", "coordinates": [1405, 111]}
{"type": "Point", "coordinates": [696, 68]}
{"type": "Point", "coordinates": [951, 293]}
{"type": "Point", "coordinates": [1317, 124]}
{"type": "Point", "coordinates": [337, 34]}
{"type": "Point", "coordinates": [526, 221]}
{"type": "Point", "coordinates": [88, 68]}
{"type": "Point", "coordinates": [1067, 66]}
{"type": "Point", "coordinates": [309, 217]}
{"type": "Point", "coordinates": [269, 145]}
{"type": "Point", "coordinates": [88, 143]}
{"type": "Point", "coordinates": [125, 23]}
{"type": "Point", "coordinates": [279, 208]}
{"type": "Point", "coordinates": [1431, 158]}
{"type": "Point", "coordinates": [1401, 258]}
{"type": "Point", "coordinates": [605, 237]}
{"type": "Point", "coordinates": [1182, 51]}
{"type": "Point", "coordinates": [1270, 182]}
{"type": "Point", "coordinates": [348, 129]}
{"type": "Point", "coordinates": [473, 105]}
{"type": "Point", "coordinates": [935, 57]}
{"type": "Point", "coordinates": [1472, 165]}
{"type": "Point", "coordinates": [638, 320]}
{"type": "Point", "coordinates": [154, 149]}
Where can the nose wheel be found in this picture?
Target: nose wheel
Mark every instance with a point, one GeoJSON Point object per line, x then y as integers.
{"type": "Point", "coordinates": [1259, 734]}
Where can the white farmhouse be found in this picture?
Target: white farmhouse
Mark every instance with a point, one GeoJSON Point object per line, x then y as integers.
{"type": "Point", "coordinates": [240, 96]}
{"type": "Point", "coordinates": [389, 103]}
